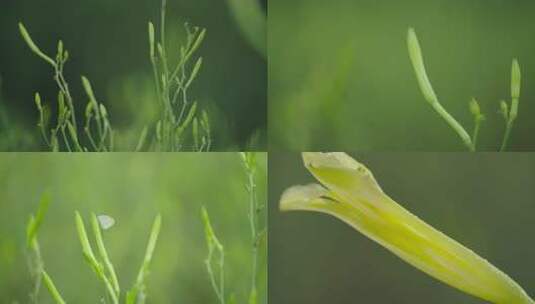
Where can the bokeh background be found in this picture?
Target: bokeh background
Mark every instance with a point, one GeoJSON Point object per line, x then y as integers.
{"type": "Point", "coordinates": [108, 42]}
{"type": "Point", "coordinates": [133, 189]}
{"type": "Point", "coordinates": [485, 201]}
{"type": "Point", "coordinates": [340, 76]}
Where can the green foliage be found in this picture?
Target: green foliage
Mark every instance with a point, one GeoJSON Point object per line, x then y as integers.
{"type": "Point", "coordinates": [137, 294]}
{"type": "Point", "coordinates": [415, 54]}
{"type": "Point", "coordinates": [252, 22]}
{"type": "Point", "coordinates": [177, 113]}
{"type": "Point", "coordinates": [14, 136]}
{"type": "Point", "coordinates": [172, 82]}
{"type": "Point", "coordinates": [64, 135]}
{"type": "Point", "coordinates": [52, 289]}
{"type": "Point", "coordinates": [34, 258]}
{"type": "Point", "coordinates": [258, 233]}
{"type": "Point", "coordinates": [255, 210]}
{"type": "Point", "coordinates": [132, 187]}
{"type": "Point", "coordinates": [515, 95]}
{"type": "Point", "coordinates": [214, 248]}
{"type": "Point", "coordinates": [102, 267]}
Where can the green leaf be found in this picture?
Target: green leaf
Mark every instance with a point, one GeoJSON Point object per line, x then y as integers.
{"type": "Point", "coordinates": [35, 222]}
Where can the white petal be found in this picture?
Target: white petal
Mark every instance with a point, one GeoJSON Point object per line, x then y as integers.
{"type": "Point", "coordinates": [106, 222]}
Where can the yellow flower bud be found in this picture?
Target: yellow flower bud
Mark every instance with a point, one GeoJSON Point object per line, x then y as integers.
{"type": "Point", "coordinates": [350, 192]}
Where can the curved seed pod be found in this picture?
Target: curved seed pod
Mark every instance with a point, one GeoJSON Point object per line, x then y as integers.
{"type": "Point", "coordinates": [350, 192]}
{"type": "Point", "coordinates": [26, 36]}
{"type": "Point", "coordinates": [415, 54]}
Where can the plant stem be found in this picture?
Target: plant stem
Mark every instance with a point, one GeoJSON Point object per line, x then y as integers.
{"type": "Point", "coordinates": [476, 132]}
{"type": "Point", "coordinates": [52, 288]}
{"type": "Point", "coordinates": [508, 129]}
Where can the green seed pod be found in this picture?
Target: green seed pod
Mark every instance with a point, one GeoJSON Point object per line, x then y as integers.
{"type": "Point", "coordinates": [474, 107]}
{"type": "Point", "coordinates": [151, 39]}
{"type": "Point", "coordinates": [197, 43]}
{"type": "Point", "coordinates": [103, 111]}
{"type": "Point", "coordinates": [504, 109]}
{"type": "Point", "coordinates": [515, 79]}
{"type": "Point", "coordinates": [194, 72]}
{"type": "Point", "coordinates": [88, 89]}
{"type": "Point", "coordinates": [415, 54]}
{"type": "Point", "coordinates": [38, 102]}
{"type": "Point", "coordinates": [195, 131]}
{"type": "Point", "coordinates": [84, 240]}
{"type": "Point", "coordinates": [160, 50]}
{"type": "Point", "coordinates": [59, 56]}
{"type": "Point", "coordinates": [33, 47]}
{"type": "Point", "coordinates": [89, 110]}
{"type": "Point", "coordinates": [159, 130]}
{"type": "Point", "coordinates": [205, 123]}
{"type": "Point", "coordinates": [190, 116]}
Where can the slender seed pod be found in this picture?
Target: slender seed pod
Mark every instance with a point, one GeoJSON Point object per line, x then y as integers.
{"type": "Point", "coordinates": [151, 39]}
{"type": "Point", "coordinates": [26, 36]}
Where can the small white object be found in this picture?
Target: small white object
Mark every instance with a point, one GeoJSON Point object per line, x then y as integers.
{"type": "Point", "coordinates": [106, 221]}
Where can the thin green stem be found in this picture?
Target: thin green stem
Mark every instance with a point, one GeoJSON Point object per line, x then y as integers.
{"type": "Point", "coordinates": [214, 245]}
{"type": "Point", "coordinates": [249, 162]}
{"type": "Point", "coordinates": [52, 288]}
{"type": "Point", "coordinates": [136, 295]}
{"type": "Point", "coordinates": [476, 132]}
{"type": "Point", "coordinates": [508, 128]}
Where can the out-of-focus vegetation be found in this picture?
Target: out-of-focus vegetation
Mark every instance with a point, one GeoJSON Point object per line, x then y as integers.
{"type": "Point", "coordinates": [133, 189]}
{"type": "Point", "coordinates": [13, 136]}
{"type": "Point", "coordinates": [485, 201]}
{"type": "Point", "coordinates": [252, 21]}
{"type": "Point", "coordinates": [341, 77]}
{"type": "Point", "coordinates": [115, 56]}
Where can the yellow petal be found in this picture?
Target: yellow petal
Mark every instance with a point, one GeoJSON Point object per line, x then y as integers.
{"type": "Point", "coordinates": [352, 194]}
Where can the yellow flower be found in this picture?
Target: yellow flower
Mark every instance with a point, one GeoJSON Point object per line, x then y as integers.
{"type": "Point", "coordinates": [350, 192]}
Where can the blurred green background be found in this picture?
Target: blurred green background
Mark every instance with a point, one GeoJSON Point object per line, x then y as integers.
{"type": "Point", "coordinates": [340, 75]}
{"type": "Point", "coordinates": [485, 201]}
{"type": "Point", "coordinates": [133, 189]}
{"type": "Point", "coordinates": [108, 43]}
